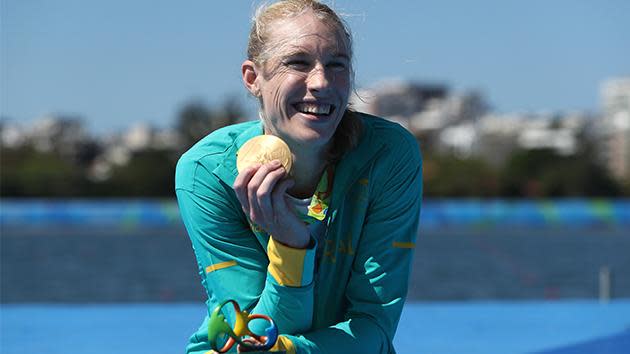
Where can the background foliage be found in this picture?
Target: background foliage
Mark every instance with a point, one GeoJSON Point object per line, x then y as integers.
{"type": "Point", "coordinates": [28, 172]}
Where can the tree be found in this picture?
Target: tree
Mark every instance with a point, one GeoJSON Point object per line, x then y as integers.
{"type": "Point", "coordinates": [26, 172]}
{"type": "Point", "coordinates": [451, 176]}
{"type": "Point", "coordinates": [196, 120]}
{"type": "Point", "coordinates": [545, 173]}
{"type": "Point", "coordinates": [149, 173]}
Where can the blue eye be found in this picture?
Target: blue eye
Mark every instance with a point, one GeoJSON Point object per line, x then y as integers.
{"type": "Point", "coordinates": [338, 66]}
{"type": "Point", "coordinates": [297, 64]}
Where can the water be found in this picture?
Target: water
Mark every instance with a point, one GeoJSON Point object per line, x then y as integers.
{"type": "Point", "coordinates": [137, 250]}
{"type": "Point", "coordinates": [120, 277]}
{"type": "Point", "coordinates": [510, 327]}
{"type": "Point", "coordinates": [425, 327]}
{"type": "Point", "coordinates": [158, 265]}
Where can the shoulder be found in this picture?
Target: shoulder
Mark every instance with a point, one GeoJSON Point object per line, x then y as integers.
{"type": "Point", "coordinates": [207, 153]}
{"type": "Point", "coordinates": [217, 142]}
{"type": "Point", "coordinates": [397, 169]}
{"type": "Point", "coordinates": [397, 140]}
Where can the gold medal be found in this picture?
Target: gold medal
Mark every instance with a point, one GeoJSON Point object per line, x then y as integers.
{"type": "Point", "coordinates": [263, 149]}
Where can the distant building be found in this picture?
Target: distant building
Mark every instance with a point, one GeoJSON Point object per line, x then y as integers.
{"type": "Point", "coordinates": [138, 137]}
{"type": "Point", "coordinates": [120, 148]}
{"type": "Point", "coordinates": [441, 120]}
{"type": "Point", "coordinates": [615, 127]}
{"type": "Point", "coordinates": [398, 101]}
{"type": "Point", "coordinates": [64, 135]}
{"type": "Point", "coordinates": [500, 135]}
{"type": "Point", "coordinates": [550, 132]}
{"type": "Point", "coordinates": [496, 136]}
{"type": "Point", "coordinates": [12, 135]}
{"type": "Point", "coordinates": [461, 124]}
{"type": "Point", "coordinates": [459, 139]}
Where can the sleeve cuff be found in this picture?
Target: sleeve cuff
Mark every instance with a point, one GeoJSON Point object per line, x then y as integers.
{"type": "Point", "coordinates": [291, 266]}
{"type": "Point", "coordinates": [284, 344]}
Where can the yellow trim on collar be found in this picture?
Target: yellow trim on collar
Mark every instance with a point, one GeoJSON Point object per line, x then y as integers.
{"type": "Point", "coordinates": [217, 266]}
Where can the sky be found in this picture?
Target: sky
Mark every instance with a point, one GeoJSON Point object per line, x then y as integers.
{"type": "Point", "coordinates": [115, 63]}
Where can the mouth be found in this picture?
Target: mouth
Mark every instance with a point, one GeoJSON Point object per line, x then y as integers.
{"type": "Point", "coordinates": [315, 109]}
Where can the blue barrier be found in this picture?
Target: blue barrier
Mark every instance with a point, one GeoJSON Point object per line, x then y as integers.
{"type": "Point", "coordinates": [561, 212]}
{"type": "Point", "coordinates": [128, 213]}
{"type": "Point", "coordinates": [435, 212]}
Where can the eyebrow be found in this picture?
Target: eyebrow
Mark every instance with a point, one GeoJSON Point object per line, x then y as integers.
{"type": "Point", "coordinates": [342, 55]}
{"type": "Point", "coordinates": [299, 52]}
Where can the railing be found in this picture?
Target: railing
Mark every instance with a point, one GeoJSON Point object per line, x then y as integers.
{"type": "Point", "coordinates": [435, 212]}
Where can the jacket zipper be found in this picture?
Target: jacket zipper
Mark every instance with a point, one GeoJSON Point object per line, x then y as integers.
{"type": "Point", "coordinates": [329, 218]}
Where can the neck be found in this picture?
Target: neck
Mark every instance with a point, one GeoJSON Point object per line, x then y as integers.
{"type": "Point", "coordinates": [307, 169]}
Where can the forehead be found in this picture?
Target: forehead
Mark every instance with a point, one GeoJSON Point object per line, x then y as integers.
{"type": "Point", "coordinates": [307, 32]}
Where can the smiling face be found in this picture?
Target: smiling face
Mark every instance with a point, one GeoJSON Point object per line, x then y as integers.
{"type": "Point", "coordinates": [304, 86]}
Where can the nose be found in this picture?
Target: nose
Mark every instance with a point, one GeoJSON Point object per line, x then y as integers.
{"type": "Point", "coordinates": [318, 79]}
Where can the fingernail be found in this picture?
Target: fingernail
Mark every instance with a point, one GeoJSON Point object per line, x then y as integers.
{"type": "Point", "coordinates": [275, 163]}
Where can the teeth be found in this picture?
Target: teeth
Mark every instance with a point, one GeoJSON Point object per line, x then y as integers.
{"type": "Point", "coordinates": [313, 108]}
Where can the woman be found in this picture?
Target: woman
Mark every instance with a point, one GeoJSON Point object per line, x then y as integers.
{"type": "Point", "coordinates": [324, 250]}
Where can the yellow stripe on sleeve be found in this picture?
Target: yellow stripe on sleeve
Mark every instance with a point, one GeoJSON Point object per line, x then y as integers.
{"type": "Point", "coordinates": [404, 244]}
{"type": "Point", "coordinates": [222, 265]}
{"type": "Point", "coordinates": [285, 344]}
{"type": "Point", "coordinates": [286, 264]}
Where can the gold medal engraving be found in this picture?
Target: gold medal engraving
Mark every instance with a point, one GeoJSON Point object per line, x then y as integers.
{"type": "Point", "coordinates": [263, 149]}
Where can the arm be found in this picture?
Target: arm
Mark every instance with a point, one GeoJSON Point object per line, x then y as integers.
{"type": "Point", "coordinates": [232, 262]}
{"type": "Point", "coordinates": [378, 283]}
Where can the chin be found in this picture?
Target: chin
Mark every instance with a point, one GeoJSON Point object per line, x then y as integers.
{"type": "Point", "coordinates": [314, 138]}
{"type": "Point", "coordinates": [322, 133]}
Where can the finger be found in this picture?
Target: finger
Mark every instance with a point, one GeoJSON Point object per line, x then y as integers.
{"type": "Point", "coordinates": [240, 186]}
{"type": "Point", "coordinates": [279, 195]}
{"type": "Point", "coordinates": [255, 212]}
{"type": "Point", "coordinates": [264, 193]}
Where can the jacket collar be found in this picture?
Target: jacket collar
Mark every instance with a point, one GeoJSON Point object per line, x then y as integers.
{"type": "Point", "coordinates": [347, 171]}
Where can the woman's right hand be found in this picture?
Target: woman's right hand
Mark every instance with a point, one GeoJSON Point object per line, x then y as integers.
{"type": "Point", "coordinates": [261, 190]}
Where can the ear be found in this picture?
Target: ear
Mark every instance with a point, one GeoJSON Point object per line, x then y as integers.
{"type": "Point", "coordinates": [250, 76]}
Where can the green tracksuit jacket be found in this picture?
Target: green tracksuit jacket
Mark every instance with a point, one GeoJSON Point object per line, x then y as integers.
{"type": "Point", "coordinates": [353, 301]}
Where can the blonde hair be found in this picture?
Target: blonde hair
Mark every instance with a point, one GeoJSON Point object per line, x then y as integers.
{"type": "Point", "coordinates": [260, 51]}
